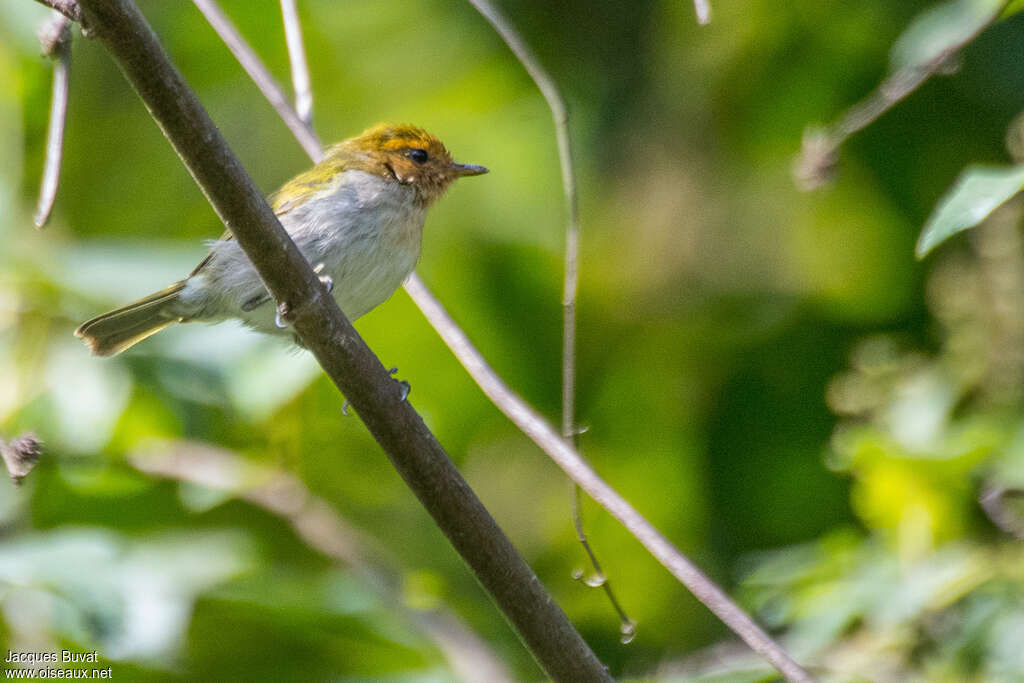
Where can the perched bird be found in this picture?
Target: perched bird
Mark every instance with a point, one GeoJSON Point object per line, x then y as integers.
{"type": "Point", "coordinates": [357, 216]}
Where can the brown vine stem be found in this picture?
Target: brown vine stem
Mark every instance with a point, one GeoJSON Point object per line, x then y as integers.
{"type": "Point", "coordinates": [323, 329]}
{"type": "Point", "coordinates": [55, 38]}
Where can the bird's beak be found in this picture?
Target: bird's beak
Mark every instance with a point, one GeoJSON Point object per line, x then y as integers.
{"type": "Point", "coordinates": [467, 169]}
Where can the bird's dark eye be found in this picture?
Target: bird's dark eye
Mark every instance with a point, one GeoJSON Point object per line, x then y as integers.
{"type": "Point", "coordinates": [420, 156]}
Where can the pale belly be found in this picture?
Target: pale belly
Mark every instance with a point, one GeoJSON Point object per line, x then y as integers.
{"type": "Point", "coordinates": [365, 235]}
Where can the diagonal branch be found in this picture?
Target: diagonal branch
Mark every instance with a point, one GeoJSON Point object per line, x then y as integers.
{"type": "Point", "coordinates": [534, 426]}
{"type": "Point", "coordinates": [819, 154]}
{"type": "Point", "coordinates": [261, 76]}
{"type": "Point", "coordinates": [541, 433]}
{"type": "Point", "coordinates": [322, 328]}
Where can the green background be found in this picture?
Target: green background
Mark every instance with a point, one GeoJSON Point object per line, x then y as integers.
{"type": "Point", "coordinates": [721, 311]}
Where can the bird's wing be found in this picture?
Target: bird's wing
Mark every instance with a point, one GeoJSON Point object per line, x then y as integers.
{"type": "Point", "coordinates": [228, 236]}
{"type": "Point", "coordinates": [295, 192]}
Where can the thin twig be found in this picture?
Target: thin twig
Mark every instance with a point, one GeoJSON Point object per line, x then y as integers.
{"type": "Point", "coordinates": [297, 57]}
{"type": "Point", "coordinates": [560, 115]}
{"type": "Point", "coordinates": [313, 314]}
{"type": "Point", "coordinates": [537, 430]}
{"type": "Point", "coordinates": [55, 38]}
{"type": "Point", "coordinates": [246, 56]}
{"type": "Point", "coordinates": [703, 8]}
{"type": "Point", "coordinates": [316, 522]}
{"type": "Point", "coordinates": [627, 627]}
{"type": "Point", "coordinates": [816, 164]}
{"type": "Point", "coordinates": [559, 112]}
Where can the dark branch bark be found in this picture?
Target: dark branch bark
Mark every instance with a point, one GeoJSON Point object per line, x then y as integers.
{"type": "Point", "coordinates": [518, 411]}
{"type": "Point", "coordinates": [413, 450]}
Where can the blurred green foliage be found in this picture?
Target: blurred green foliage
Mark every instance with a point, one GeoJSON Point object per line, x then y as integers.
{"type": "Point", "coordinates": [768, 375]}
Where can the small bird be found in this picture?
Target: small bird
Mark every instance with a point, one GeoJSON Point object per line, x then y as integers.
{"type": "Point", "coordinates": [357, 216]}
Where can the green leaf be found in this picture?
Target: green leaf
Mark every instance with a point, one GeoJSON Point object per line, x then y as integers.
{"type": "Point", "coordinates": [941, 29]}
{"type": "Point", "coordinates": [978, 191]}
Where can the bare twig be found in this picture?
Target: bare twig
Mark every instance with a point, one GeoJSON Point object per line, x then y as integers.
{"type": "Point", "coordinates": [559, 112]}
{"type": "Point", "coordinates": [55, 38]}
{"type": "Point", "coordinates": [323, 529]}
{"type": "Point", "coordinates": [819, 155]}
{"type": "Point", "coordinates": [536, 429]}
{"type": "Point", "coordinates": [297, 57]}
{"type": "Point", "coordinates": [534, 426]}
{"type": "Point", "coordinates": [703, 9]}
{"type": "Point", "coordinates": [69, 8]}
{"type": "Point", "coordinates": [21, 455]}
{"type": "Point", "coordinates": [627, 627]}
{"type": "Point", "coordinates": [324, 330]}
{"type": "Point", "coordinates": [246, 56]}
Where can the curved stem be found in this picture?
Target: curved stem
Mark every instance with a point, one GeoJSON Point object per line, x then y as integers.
{"type": "Point", "coordinates": [538, 430]}
{"type": "Point", "coordinates": [344, 356]}
{"type": "Point", "coordinates": [56, 39]}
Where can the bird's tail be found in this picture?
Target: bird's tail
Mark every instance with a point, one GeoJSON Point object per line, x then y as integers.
{"type": "Point", "coordinates": [113, 332]}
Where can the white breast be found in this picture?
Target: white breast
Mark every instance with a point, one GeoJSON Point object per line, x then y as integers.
{"type": "Point", "coordinates": [364, 230]}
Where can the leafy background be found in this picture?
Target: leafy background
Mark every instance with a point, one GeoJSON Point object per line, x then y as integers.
{"type": "Point", "coordinates": [769, 375]}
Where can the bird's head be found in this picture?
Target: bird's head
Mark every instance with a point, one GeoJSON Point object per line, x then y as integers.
{"type": "Point", "coordinates": [409, 155]}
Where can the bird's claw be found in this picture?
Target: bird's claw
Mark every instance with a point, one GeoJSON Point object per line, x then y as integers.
{"type": "Point", "coordinates": [406, 387]}
{"type": "Point", "coordinates": [281, 316]}
{"type": "Point", "coordinates": [326, 280]}
{"type": "Point", "coordinates": [344, 407]}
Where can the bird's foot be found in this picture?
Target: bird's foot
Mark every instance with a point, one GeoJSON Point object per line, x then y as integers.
{"type": "Point", "coordinates": [282, 314]}
{"type": "Point", "coordinates": [406, 387]}
{"type": "Point", "coordinates": [326, 280]}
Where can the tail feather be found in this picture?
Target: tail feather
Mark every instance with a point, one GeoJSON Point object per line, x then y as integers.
{"type": "Point", "coordinates": [113, 332]}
